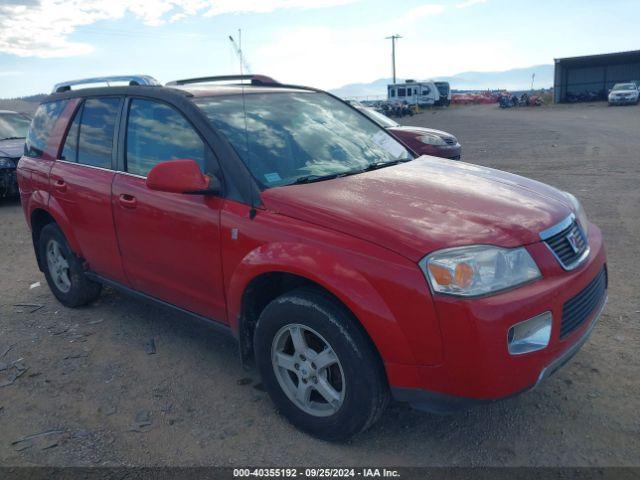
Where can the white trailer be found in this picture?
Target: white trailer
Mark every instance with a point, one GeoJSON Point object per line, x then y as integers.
{"type": "Point", "coordinates": [414, 93]}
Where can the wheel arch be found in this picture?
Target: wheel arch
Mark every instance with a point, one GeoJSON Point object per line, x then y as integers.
{"type": "Point", "coordinates": [271, 271]}
{"type": "Point", "coordinates": [266, 287]}
{"type": "Point", "coordinates": [39, 217]}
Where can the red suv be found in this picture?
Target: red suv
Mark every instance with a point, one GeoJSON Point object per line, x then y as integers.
{"type": "Point", "coordinates": [349, 271]}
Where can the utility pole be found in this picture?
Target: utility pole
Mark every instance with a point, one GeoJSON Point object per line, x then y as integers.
{"type": "Point", "coordinates": [533, 78]}
{"type": "Point", "coordinates": [393, 39]}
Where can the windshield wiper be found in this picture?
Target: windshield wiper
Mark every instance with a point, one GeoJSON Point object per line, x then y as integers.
{"type": "Point", "coordinates": [314, 178]}
{"type": "Point", "coordinates": [372, 166]}
{"type": "Point", "coordinates": [377, 165]}
{"type": "Point", "coordinates": [11, 138]}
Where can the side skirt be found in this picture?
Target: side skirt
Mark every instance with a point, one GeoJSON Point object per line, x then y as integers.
{"type": "Point", "coordinates": [209, 322]}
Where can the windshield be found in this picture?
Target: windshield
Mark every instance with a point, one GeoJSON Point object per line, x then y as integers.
{"type": "Point", "coordinates": [378, 117]}
{"type": "Point", "coordinates": [625, 86]}
{"type": "Point", "coordinates": [13, 125]}
{"type": "Point", "coordinates": [291, 137]}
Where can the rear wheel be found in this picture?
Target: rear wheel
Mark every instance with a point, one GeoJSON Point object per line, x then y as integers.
{"type": "Point", "coordinates": [63, 269]}
{"type": "Point", "coordinates": [317, 365]}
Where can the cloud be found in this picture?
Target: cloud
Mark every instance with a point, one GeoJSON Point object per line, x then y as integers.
{"type": "Point", "coordinates": [220, 7]}
{"type": "Point", "coordinates": [470, 3]}
{"type": "Point", "coordinates": [418, 13]}
{"type": "Point", "coordinates": [41, 28]}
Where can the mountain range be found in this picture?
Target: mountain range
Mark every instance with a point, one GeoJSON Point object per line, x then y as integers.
{"type": "Point", "coordinates": [514, 79]}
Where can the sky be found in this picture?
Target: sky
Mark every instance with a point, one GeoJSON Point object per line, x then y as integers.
{"type": "Point", "coordinates": [322, 43]}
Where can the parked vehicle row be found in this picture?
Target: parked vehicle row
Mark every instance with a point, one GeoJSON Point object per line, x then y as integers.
{"type": "Point", "coordinates": [508, 100]}
{"type": "Point", "coordinates": [350, 269]}
{"type": "Point", "coordinates": [13, 130]}
{"type": "Point", "coordinates": [622, 93]}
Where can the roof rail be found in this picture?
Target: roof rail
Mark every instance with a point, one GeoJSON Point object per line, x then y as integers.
{"type": "Point", "coordinates": [132, 79]}
{"type": "Point", "coordinates": [255, 80]}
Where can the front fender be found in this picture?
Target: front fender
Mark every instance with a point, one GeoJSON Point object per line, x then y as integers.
{"type": "Point", "coordinates": [335, 273]}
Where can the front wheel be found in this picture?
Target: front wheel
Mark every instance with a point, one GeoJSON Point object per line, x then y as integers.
{"type": "Point", "coordinates": [318, 366]}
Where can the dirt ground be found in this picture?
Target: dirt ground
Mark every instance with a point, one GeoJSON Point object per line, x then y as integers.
{"type": "Point", "coordinates": [86, 391]}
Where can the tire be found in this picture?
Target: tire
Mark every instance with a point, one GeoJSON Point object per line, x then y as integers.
{"type": "Point", "coordinates": [72, 288]}
{"type": "Point", "coordinates": [358, 376]}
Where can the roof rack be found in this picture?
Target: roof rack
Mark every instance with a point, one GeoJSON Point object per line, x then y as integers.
{"type": "Point", "coordinates": [255, 80]}
{"type": "Point", "coordinates": [132, 79]}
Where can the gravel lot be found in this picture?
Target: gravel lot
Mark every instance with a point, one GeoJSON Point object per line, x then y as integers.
{"type": "Point", "coordinates": [87, 392]}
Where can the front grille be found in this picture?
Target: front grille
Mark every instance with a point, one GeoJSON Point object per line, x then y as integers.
{"type": "Point", "coordinates": [569, 245]}
{"type": "Point", "coordinates": [577, 309]}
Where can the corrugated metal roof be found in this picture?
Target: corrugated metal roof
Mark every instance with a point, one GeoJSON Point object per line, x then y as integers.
{"type": "Point", "coordinates": [600, 56]}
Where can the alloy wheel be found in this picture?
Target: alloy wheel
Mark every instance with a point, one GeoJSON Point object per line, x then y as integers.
{"type": "Point", "coordinates": [308, 370]}
{"type": "Point", "coordinates": [58, 266]}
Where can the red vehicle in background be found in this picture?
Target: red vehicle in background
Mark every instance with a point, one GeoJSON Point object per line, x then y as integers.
{"type": "Point", "coordinates": [350, 270]}
{"type": "Point", "coordinates": [423, 141]}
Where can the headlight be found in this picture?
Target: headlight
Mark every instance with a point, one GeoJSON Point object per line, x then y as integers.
{"type": "Point", "coordinates": [431, 139]}
{"type": "Point", "coordinates": [581, 215]}
{"type": "Point", "coordinates": [478, 269]}
{"type": "Point", "coordinates": [6, 163]}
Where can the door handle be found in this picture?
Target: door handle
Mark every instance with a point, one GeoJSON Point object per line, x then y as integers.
{"type": "Point", "coordinates": [128, 201]}
{"type": "Point", "coordinates": [60, 185]}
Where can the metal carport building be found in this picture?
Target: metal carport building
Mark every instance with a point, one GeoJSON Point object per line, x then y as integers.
{"type": "Point", "coordinates": [594, 73]}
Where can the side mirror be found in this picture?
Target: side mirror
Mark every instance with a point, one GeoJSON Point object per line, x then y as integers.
{"type": "Point", "coordinates": [180, 176]}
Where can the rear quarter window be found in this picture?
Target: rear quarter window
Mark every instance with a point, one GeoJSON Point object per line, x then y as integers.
{"type": "Point", "coordinates": [41, 127]}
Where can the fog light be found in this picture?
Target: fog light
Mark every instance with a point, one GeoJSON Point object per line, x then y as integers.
{"type": "Point", "coordinates": [530, 335]}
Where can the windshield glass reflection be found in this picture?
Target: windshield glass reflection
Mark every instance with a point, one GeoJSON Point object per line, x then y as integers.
{"type": "Point", "coordinates": [291, 135]}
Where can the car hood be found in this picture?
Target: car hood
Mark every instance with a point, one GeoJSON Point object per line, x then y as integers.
{"type": "Point", "coordinates": [12, 148]}
{"type": "Point", "coordinates": [625, 92]}
{"type": "Point", "coordinates": [425, 205]}
{"type": "Point", "coordinates": [421, 131]}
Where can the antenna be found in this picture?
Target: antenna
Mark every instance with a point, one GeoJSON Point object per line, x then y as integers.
{"type": "Point", "coordinates": [237, 48]}
{"type": "Point", "coordinates": [393, 39]}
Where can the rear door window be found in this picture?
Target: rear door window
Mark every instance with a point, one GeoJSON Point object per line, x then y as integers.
{"type": "Point", "coordinates": [157, 133]}
{"type": "Point", "coordinates": [41, 127]}
{"type": "Point", "coordinates": [97, 125]}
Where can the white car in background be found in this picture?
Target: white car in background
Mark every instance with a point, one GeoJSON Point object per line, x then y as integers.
{"type": "Point", "coordinates": [624, 94]}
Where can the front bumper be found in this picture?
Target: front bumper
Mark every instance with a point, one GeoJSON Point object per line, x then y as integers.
{"type": "Point", "coordinates": [8, 183]}
{"type": "Point", "coordinates": [451, 152]}
{"type": "Point", "coordinates": [477, 367]}
{"type": "Point", "coordinates": [435, 402]}
{"type": "Point", "coordinates": [623, 101]}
